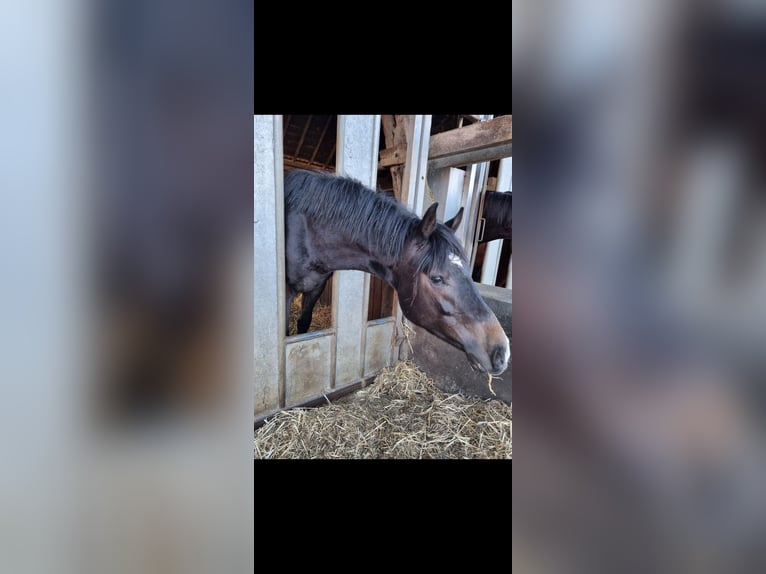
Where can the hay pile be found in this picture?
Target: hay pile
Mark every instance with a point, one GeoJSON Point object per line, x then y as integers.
{"type": "Point", "coordinates": [401, 415]}
{"type": "Point", "coordinates": [320, 319]}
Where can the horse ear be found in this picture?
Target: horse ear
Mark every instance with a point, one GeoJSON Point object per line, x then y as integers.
{"type": "Point", "coordinates": [428, 223]}
{"type": "Point", "coordinates": [454, 223]}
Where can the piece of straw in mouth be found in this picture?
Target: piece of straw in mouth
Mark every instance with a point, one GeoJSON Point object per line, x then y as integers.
{"type": "Point", "coordinates": [489, 382]}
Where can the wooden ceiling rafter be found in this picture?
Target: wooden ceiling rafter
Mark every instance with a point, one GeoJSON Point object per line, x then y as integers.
{"type": "Point", "coordinates": [321, 139]}
{"type": "Point", "coordinates": [297, 153]}
{"type": "Point", "coordinates": [332, 155]}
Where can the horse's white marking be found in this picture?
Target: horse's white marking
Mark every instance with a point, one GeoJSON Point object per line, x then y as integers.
{"type": "Point", "coordinates": [455, 259]}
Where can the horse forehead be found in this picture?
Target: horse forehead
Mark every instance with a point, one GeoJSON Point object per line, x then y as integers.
{"type": "Point", "coordinates": [455, 259]}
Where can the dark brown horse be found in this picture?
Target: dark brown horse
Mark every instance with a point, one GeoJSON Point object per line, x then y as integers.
{"type": "Point", "coordinates": [334, 223]}
{"type": "Point", "coordinates": [495, 223]}
{"type": "Point", "coordinates": [497, 215]}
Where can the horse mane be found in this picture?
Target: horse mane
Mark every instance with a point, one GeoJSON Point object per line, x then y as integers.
{"type": "Point", "coordinates": [371, 219]}
{"type": "Point", "coordinates": [499, 206]}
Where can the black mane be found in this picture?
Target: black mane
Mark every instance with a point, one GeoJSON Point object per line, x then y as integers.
{"type": "Point", "coordinates": [498, 207]}
{"type": "Point", "coordinates": [373, 220]}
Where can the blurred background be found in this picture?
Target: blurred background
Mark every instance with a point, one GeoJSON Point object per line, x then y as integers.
{"type": "Point", "coordinates": [126, 307]}
{"type": "Point", "coordinates": [640, 286]}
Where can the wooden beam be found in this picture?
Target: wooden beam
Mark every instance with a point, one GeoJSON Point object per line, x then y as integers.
{"type": "Point", "coordinates": [332, 154]}
{"type": "Point", "coordinates": [493, 133]}
{"type": "Point", "coordinates": [401, 133]}
{"type": "Point", "coordinates": [390, 157]}
{"type": "Point", "coordinates": [480, 135]}
{"type": "Point", "coordinates": [473, 156]}
{"type": "Point", "coordinates": [297, 163]}
{"type": "Point", "coordinates": [321, 138]}
{"type": "Point", "coordinates": [303, 136]}
{"type": "Point", "coordinates": [387, 122]}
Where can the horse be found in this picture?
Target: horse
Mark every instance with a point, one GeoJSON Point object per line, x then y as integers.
{"type": "Point", "coordinates": [334, 222]}
{"type": "Point", "coordinates": [497, 214]}
{"type": "Point", "coordinates": [497, 217]}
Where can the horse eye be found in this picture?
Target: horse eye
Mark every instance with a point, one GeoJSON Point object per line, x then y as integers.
{"type": "Point", "coordinates": [437, 279]}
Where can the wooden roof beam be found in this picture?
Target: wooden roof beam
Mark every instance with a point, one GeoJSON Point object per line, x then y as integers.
{"type": "Point", "coordinates": [303, 136]}
{"type": "Point", "coordinates": [462, 145]}
{"type": "Point", "coordinates": [321, 139]}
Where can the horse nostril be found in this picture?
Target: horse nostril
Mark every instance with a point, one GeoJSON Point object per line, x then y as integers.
{"type": "Point", "coordinates": [498, 357]}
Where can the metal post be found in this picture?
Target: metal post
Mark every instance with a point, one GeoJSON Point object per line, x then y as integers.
{"type": "Point", "coordinates": [357, 145]}
{"type": "Point", "coordinates": [268, 219]}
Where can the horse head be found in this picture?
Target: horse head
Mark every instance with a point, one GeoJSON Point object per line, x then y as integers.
{"type": "Point", "coordinates": [436, 292]}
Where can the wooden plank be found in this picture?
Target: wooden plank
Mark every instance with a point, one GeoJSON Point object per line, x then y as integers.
{"type": "Point", "coordinates": [388, 125]}
{"type": "Point", "coordinates": [479, 136]}
{"type": "Point", "coordinates": [303, 136]}
{"type": "Point", "coordinates": [321, 138]}
{"type": "Point", "coordinates": [373, 305]}
{"type": "Point", "coordinates": [402, 131]}
{"type": "Point", "coordinates": [296, 163]}
{"type": "Point", "coordinates": [395, 134]}
{"type": "Point", "coordinates": [326, 297]}
{"type": "Point", "coordinates": [268, 219]}
{"type": "Point", "coordinates": [332, 154]}
{"type": "Point", "coordinates": [473, 156]}
{"type": "Point", "coordinates": [490, 133]}
{"type": "Point", "coordinates": [393, 156]}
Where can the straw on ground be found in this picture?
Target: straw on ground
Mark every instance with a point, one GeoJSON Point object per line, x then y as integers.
{"type": "Point", "coordinates": [402, 415]}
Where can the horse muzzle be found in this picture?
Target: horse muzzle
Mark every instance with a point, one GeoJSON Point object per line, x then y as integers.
{"type": "Point", "coordinates": [493, 360]}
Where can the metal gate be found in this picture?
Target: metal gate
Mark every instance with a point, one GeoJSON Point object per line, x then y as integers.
{"type": "Point", "coordinates": [296, 370]}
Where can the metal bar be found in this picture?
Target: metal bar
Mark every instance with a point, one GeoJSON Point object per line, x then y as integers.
{"type": "Point", "coordinates": [269, 278]}
{"type": "Point", "coordinates": [476, 176]}
{"type": "Point", "coordinates": [415, 167]}
{"type": "Point", "coordinates": [413, 195]}
{"type": "Point", "coordinates": [357, 142]}
{"type": "Point", "coordinates": [447, 187]}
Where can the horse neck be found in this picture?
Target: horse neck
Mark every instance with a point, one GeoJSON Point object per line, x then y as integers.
{"type": "Point", "coordinates": [492, 232]}
{"type": "Point", "coordinates": [343, 253]}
